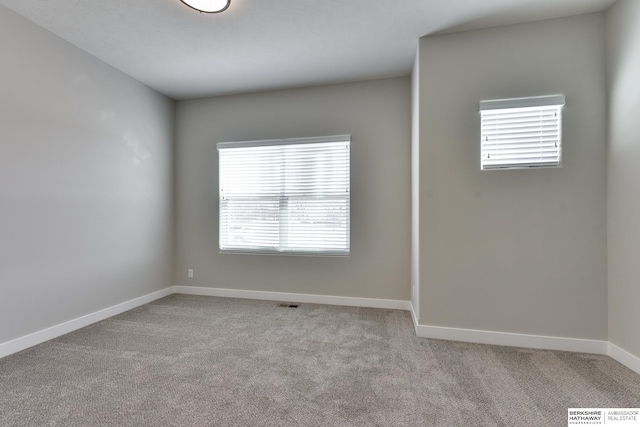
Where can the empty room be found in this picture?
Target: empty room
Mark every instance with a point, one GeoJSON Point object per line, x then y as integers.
{"type": "Point", "coordinates": [319, 213]}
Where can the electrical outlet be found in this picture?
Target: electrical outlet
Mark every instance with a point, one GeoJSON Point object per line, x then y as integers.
{"type": "Point", "coordinates": [190, 273]}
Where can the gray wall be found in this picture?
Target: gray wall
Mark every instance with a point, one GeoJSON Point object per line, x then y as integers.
{"type": "Point", "coordinates": [85, 182]}
{"type": "Point", "coordinates": [623, 51]}
{"type": "Point", "coordinates": [376, 114]}
{"type": "Point", "coordinates": [415, 186]}
{"type": "Point", "coordinates": [519, 250]}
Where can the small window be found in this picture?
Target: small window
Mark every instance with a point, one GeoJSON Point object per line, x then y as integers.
{"type": "Point", "coordinates": [521, 132]}
{"type": "Point", "coordinates": [287, 196]}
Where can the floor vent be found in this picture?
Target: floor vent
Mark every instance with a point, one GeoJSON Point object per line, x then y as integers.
{"type": "Point", "coordinates": [288, 305]}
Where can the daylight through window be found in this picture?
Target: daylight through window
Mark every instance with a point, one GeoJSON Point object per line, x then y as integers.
{"type": "Point", "coordinates": [285, 196]}
{"type": "Point", "coordinates": [521, 132]}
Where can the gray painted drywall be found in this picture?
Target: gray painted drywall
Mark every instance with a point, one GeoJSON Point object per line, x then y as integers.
{"type": "Point", "coordinates": [623, 73]}
{"type": "Point", "coordinates": [85, 182]}
{"type": "Point", "coordinates": [377, 116]}
{"type": "Point", "coordinates": [519, 251]}
{"type": "Point", "coordinates": [415, 186]}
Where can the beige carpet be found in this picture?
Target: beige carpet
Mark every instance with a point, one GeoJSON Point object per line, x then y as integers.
{"type": "Point", "coordinates": [198, 361]}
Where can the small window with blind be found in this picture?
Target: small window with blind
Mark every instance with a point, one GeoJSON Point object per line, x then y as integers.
{"type": "Point", "coordinates": [521, 132]}
{"type": "Point", "coordinates": [288, 196]}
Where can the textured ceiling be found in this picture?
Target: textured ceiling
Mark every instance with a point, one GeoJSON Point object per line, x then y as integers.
{"type": "Point", "coordinates": [270, 44]}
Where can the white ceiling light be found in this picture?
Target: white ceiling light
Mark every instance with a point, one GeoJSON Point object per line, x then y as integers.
{"type": "Point", "coordinates": [208, 6]}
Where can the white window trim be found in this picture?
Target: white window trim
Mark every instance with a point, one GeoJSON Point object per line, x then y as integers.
{"type": "Point", "coordinates": [287, 141]}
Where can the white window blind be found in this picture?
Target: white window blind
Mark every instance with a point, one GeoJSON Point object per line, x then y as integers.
{"type": "Point", "coordinates": [521, 132]}
{"type": "Point", "coordinates": [285, 196]}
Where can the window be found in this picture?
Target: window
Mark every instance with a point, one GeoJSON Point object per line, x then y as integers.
{"type": "Point", "coordinates": [521, 132]}
{"type": "Point", "coordinates": [287, 196]}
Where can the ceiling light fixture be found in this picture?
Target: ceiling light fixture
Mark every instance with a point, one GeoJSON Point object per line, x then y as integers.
{"type": "Point", "coordinates": [208, 6]}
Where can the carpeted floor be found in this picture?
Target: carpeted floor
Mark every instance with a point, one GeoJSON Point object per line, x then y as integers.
{"type": "Point", "coordinates": [198, 361]}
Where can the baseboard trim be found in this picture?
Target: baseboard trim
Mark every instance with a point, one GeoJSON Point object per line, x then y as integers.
{"type": "Point", "coordinates": [423, 331]}
{"type": "Point", "coordinates": [627, 359]}
{"type": "Point", "coordinates": [414, 317]}
{"type": "Point", "coordinates": [47, 334]}
{"type": "Point", "coordinates": [291, 297]}
{"type": "Point", "coordinates": [512, 339]}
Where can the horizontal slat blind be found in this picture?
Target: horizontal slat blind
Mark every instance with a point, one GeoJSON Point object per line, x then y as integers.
{"type": "Point", "coordinates": [521, 137]}
{"type": "Point", "coordinates": [289, 196]}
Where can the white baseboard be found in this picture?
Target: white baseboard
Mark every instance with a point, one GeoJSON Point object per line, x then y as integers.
{"type": "Point", "coordinates": [512, 340]}
{"type": "Point", "coordinates": [290, 297]}
{"type": "Point", "coordinates": [627, 359]}
{"type": "Point", "coordinates": [414, 316]}
{"type": "Point", "coordinates": [424, 331]}
{"type": "Point", "coordinates": [35, 338]}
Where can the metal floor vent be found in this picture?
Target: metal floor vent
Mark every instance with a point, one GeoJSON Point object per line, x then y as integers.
{"type": "Point", "coordinates": [288, 305]}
